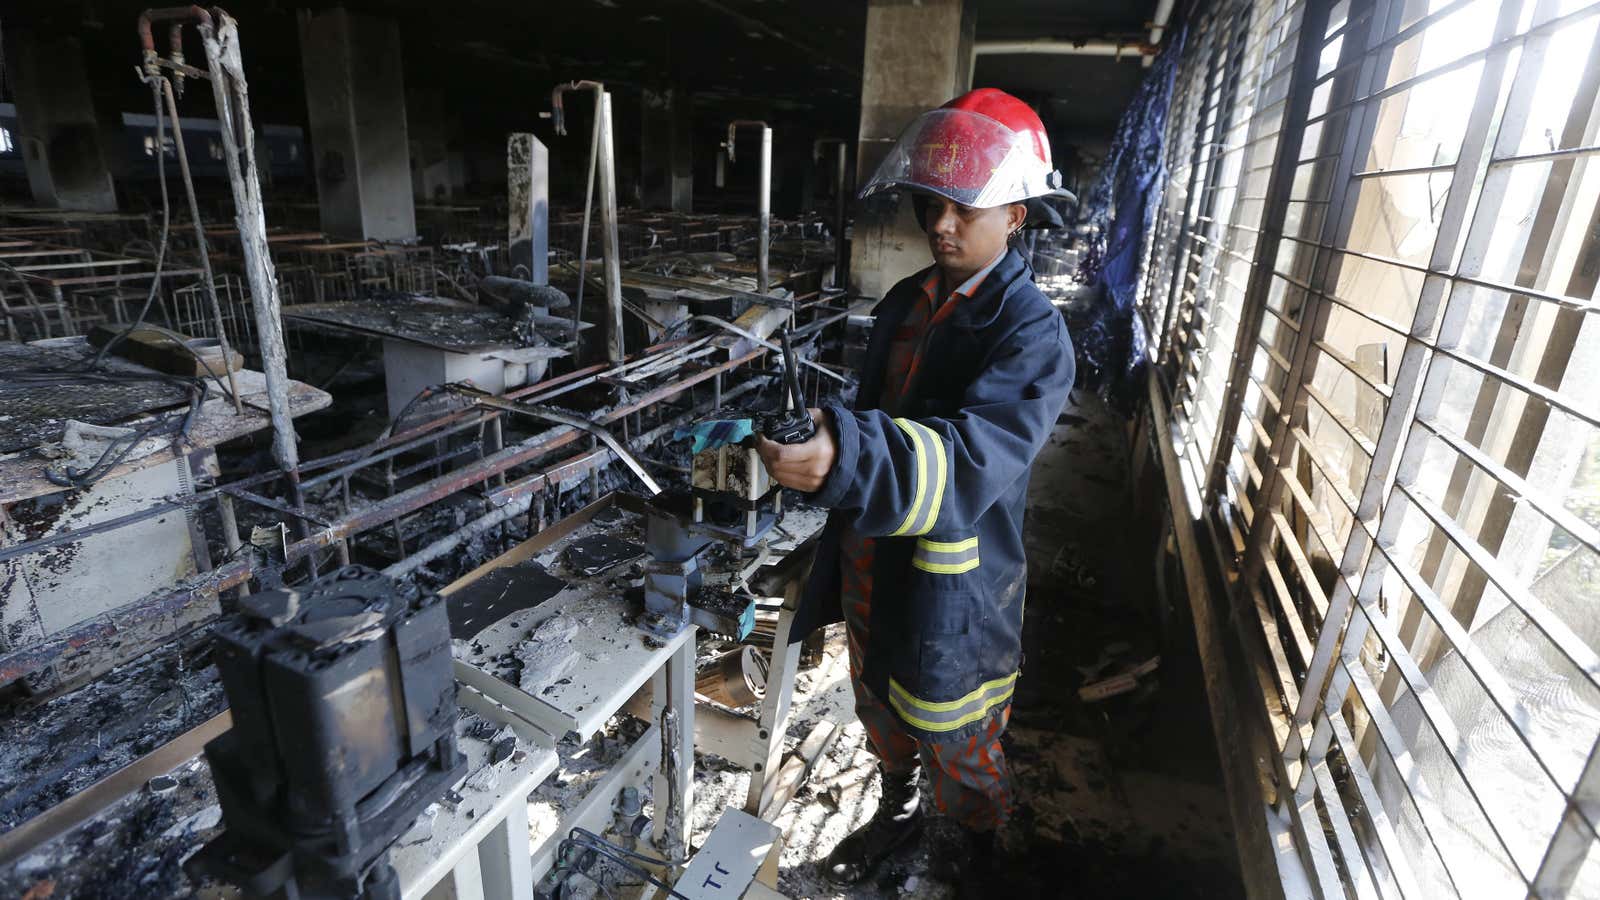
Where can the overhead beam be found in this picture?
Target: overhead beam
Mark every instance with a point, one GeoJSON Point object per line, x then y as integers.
{"type": "Point", "coordinates": [1054, 47]}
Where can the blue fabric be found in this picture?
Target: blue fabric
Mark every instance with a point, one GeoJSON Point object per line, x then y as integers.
{"type": "Point", "coordinates": [1001, 366]}
{"type": "Point", "coordinates": [714, 433]}
{"type": "Point", "coordinates": [1110, 338]}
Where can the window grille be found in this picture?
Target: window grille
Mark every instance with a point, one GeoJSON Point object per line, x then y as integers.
{"type": "Point", "coordinates": [1373, 286]}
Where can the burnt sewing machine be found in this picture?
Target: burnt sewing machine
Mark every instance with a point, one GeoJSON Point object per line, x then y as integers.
{"type": "Point", "coordinates": [731, 501]}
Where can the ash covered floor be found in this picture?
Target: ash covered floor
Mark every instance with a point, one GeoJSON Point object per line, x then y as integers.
{"type": "Point", "coordinates": [1118, 798]}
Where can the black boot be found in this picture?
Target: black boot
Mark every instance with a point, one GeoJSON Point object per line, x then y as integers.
{"type": "Point", "coordinates": [898, 819]}
{"type": "Point", "coordinates": [965, 859]}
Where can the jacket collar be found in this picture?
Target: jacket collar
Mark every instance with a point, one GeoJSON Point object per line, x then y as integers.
{"type": "Point", "coordinates": [983, 307]}
{"type": "Point", "coordinates": [932, 278]}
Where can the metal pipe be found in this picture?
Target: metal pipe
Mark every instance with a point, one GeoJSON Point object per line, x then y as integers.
{"type": "Point", "coordinates": [752, 336]}
{"type": "Point", "coordinates": [1158, 23]}
{"type": "Point", "coordinates": [518, 497]}
{"type": "Point", "coordinates": [1049, 46]}
{"type": "Point", "coordinates": [200, 240]}
{"type": "Point", "coordinates": [841, 205]}
{"type": "Point", "coordinates": [178, 14]}
{"type": "Point", "coordinates": [841, 244]}
{"type": "Point", "coordinates": [558, 116]}
{"type": "Point", "coordinates": [232, 96]}
{"type": "Point", "coordinates": [763, 197]}
{"type": "Point", "coordinates": [615, 349]}
{"type": "Point", "coordinates": [231, 93]}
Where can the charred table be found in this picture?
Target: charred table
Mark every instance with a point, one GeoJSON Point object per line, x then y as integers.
{"type": "Point", "coordinates": [430, 341]}
{"type": "Point", "coordinates": [49, 594]}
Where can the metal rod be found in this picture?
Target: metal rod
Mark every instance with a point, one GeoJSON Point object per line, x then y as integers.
{"type": "Point", "coordinates": [763, 197]}
{"type": "Point", "coordinates": [231, 93]}
{"type": "Point", "coordinates": [520, 496]}
{"type": "Point", "coordinates": [615, 348]}
{"type": "Point", "coordinates": [559, 117]}
{"type": "Point", "coordinates": [1275, 205]}
{"type": "Point", "coordinates": [841, 245]}
{"type": "Point", "coordinates": [751, 336]}
{"type": "Point", "coordinates": [200, 242]}
{"type": "Point", "coordinates": [230, 533]}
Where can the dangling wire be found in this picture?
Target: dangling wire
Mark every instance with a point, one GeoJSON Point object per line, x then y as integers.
{"type": "Point", "coordinates": [179, 422]}
{"type": "Point", "coordinates": [166, 220]}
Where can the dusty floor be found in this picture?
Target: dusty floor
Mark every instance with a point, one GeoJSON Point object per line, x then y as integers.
{"type": "Point", "coordinates": [1120, 798]}
{"type": "Point", "coordinates": [58, 748]}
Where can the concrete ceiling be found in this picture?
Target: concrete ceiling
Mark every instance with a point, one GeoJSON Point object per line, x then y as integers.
{"type": "Point", "coordinates": [495, 60]}
{"type": "Point", "coordinates": [1063, 19]}
{"type": "Point", "coordinates": [1076, 94]}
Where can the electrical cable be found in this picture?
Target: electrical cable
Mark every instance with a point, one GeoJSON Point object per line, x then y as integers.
{"type": "Point", "coordinates": [179, 423]}
{"type": "Point", "coordinates": [181, 343]}
{"type": "Point", "coordinates": [420, 396]}
{"type": "Point", "coordinates": [166, 223]}
{"type": "Point", "coordinates": [619, 855]}
{"type": "Point", "coordinates": [121, 447]}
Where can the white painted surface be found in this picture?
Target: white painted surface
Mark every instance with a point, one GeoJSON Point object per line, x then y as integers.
{"type": "Point", "coordinates": [408, 368]}
{"type": "Point", "coordinates": [727, 864]}
{"type": "Point", "coordinates": [447, 865]}
{"type": "Point", "coordinates": [60, 588]}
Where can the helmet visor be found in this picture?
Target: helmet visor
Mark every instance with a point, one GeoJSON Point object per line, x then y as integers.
{"type": "Point", "coordinates": [966, 157]}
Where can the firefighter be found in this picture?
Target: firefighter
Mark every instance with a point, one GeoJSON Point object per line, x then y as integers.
{"type": "Point", "coordinates": [926, 479]}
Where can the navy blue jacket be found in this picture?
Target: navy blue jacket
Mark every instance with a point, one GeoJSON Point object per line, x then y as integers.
{"type": "Point", "coordinates": [943, 489]}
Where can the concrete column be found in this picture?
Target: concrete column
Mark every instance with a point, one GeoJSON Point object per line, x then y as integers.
{"type": "Point", "coordinates": [355, 96]}
{"type": "Point", "coordinates": [918, 56]}
{"type": "Point", "coordinates": [58, 134]}
{"type": "Point", "coordinates": [666, 166]}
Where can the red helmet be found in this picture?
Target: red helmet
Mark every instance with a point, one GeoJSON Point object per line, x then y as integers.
{"type": "Point", "coordinates": [985, 148]}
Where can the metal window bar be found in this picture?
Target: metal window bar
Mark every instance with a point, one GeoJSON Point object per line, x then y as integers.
{"type": "Point", "coordinates": [1215, 233]}
{"type": "Point", "coordinates": [1191, 124]}
{"type": "Point", "coordinates": [1476, 182]}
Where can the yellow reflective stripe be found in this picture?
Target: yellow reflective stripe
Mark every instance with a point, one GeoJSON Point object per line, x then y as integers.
{"type": "Point", "coordinates": [918, 722]}
{"type": "Point", "coordinates": [940, 466]}
{"type": "Point", "coordinates": [901, 699]}
{"type": "Point", "coordinates": [946, 557]}
{"type": "Point", "coordinates": [922, 476]}
{"type": "Point", "coordinates": [945, 568]}
{"type": "Point", "coordinates": [949, 705]}
{"type": "Point", "coordinates": [949, 546]}
{"type": "Point", "coordinates": [929, 495]}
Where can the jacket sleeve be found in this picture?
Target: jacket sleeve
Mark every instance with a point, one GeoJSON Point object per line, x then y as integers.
{"type": "Point", "coordinates": [918, 476]}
